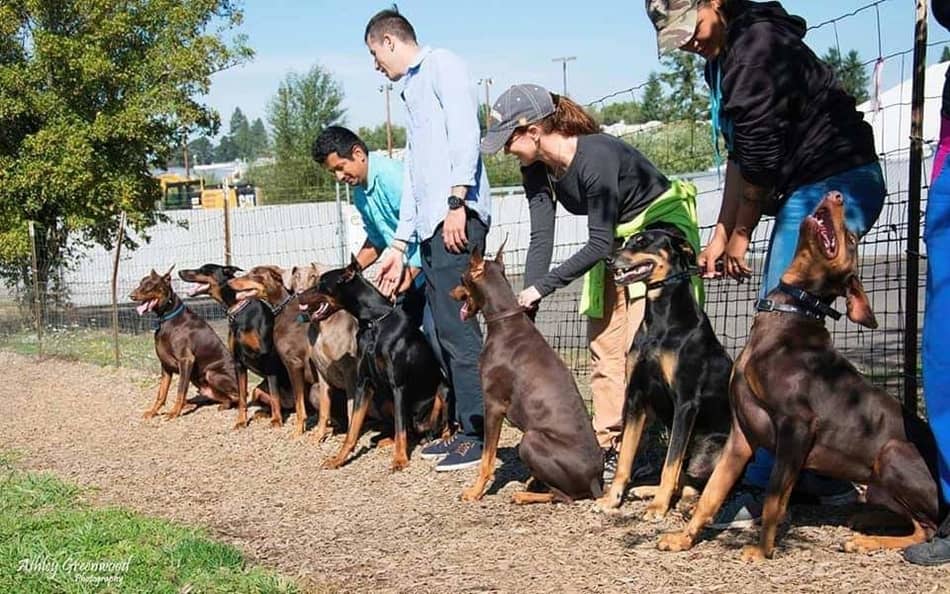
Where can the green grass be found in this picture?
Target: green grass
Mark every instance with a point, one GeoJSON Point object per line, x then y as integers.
{"type": "Point", "coordinates": [50, 538]}
{"type": "Point", "coordinates": [86, 345]}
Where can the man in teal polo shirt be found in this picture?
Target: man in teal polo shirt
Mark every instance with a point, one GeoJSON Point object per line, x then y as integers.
{"type": "Point", "coordinates": [377, 183]}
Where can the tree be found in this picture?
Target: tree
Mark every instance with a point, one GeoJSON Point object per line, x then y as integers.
{"type": "Point", "coordinates": [653, 106]}
{"type": "Point", "coordinates": [93, 95]}
{"type": "Point", "coordinates": [240, 133]}
{"type": "Point", "coordinates": [259, 142]}
{"type": "Point", "coordinates": [683, 75]}
{"type": "Point", "coordinates": [302, 107]}
{"type": "Point", "coordinates": [226, 150]}
{"type": "Point", "coordinates": [375, 138]}
{"type": "Point", "coordinates": [628, 112]}
{"type": "Point", "coordinates": [850, 73]}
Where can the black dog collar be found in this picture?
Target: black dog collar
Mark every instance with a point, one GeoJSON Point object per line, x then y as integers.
{"type": "Point", "coordinates": [675, 278]}
{"type": "Point", "coordinates": [808, 305]}
{"type": "Point", "coordinates": [280, 306]}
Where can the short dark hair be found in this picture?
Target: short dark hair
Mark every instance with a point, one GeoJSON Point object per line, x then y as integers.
{"type": "Point", "coordinates": [389, 22]}
{"type": "Point", "coordinates": [336, 139]}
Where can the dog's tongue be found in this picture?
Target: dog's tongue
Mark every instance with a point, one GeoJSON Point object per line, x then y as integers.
{"type": "Point", "coordinates": [198, 289]}
{"type": "Point", "coordinates": [145, 307]}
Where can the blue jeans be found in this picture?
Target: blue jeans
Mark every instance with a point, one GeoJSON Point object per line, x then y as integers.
{"type": "Point", "coordinates": [935, 343]}
{"type": "Point", "coordinates": [864, 190]}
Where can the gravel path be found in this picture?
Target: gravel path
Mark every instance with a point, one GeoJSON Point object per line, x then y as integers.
{"type": "Point", "coordinates": [363, 529]}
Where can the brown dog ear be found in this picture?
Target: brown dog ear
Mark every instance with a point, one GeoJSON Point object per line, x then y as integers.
{"type": "Point", "coordinates": [286, 276]}
{"type": "Point", "coordinates": [354, 264]}
{"type": "Point", "coordinates": [499, 256]}
{"type": "Point", "coordinates": [168, 275]}
{"type": "Point", "coordinates": [859, 308]}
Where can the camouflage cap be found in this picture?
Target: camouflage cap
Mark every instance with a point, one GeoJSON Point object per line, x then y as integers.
{"type": "Point", "coordinates": [675, 22]}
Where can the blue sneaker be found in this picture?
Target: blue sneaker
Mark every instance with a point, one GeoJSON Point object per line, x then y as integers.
{"type": "Point", "coordinates": [743, 509]}
{"type": "Point", "coordinates": [934, 552]}
{"type": "Point", "coordinates": [466, 454]}
{"type": "Point", "coordinates": [440, 448]}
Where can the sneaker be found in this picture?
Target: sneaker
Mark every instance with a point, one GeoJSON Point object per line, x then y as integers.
{"type": "Point", "coordinates": [743, 509]}
{"type": "Point", "coordinates": [934, 552]}
{"type": "Point", "coordinates": [467, 454]}
{"type": "Point", "coordinates": [813, 488]}
{"type": "Point", "coordinates": [610, 464]}
{"type": "Point", "coordinates": [642, 468]}
{"type": "Point", "coordinates": [440, 448]}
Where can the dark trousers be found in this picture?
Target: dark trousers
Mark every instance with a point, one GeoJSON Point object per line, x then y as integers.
{"type": "Point", "coordinates": [460, 342]}
{"type": "Point", "coordinates": [413, 302]}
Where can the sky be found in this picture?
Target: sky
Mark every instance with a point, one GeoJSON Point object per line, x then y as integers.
{"type": "Point", "coordinates": [510, 42]}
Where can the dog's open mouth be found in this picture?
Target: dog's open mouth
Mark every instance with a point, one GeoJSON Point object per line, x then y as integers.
{"type": "Point", "coordinates": [825, 229]}
{"type": "Point", "coordinates": [199, 289]}
{"type": "Point", "coordinates": [637, 271]}
{"type": "Point", "coordinates": [146, 306]}
{"type": "Point", "coordinates": [322, 312]}
{"type": "Point", "coordinates": [246, 294]}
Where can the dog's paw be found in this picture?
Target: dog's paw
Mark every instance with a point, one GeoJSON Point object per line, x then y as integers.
{"type": "Point", "coordinates": [644, 491]}
{"type": "Point", "coordinates": [860, 544]}
{"type": "Point", "coordinates": [239, 424]}
{"type": "Point", "coordinates": [333, 463]}
{"type": "Point", "coordinates": [656, 512]}
{"type": "Point", "coordinates": [399, 464]}
{"type": "Point", "coordinates": [472, 494]}
{"type": "Point", "coordinates": [675, 541]}
{"type": "Point", "coordinates": [226, 405]}
{"type": "Point", "coordinates": [276, 423]}
{"type": "Point", "coordinates": [753, 554]}
{"type": "Point", "coordinates": [608, 504]}
{"type": "Point", "coordinates": [299, 429]}
{"type": "Point", "coordinates": [149, 414]}
{"type": "Point", "coordinates": [320, 435]}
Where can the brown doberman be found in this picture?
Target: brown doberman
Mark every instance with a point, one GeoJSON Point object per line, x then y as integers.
{"type": "Point", "coordinates": [525, 380]}
{"type": "Point", "coordinates": [794, 394]}
{"type": "Point", "coordinates": [334, 351]}
{"type": "Point", "coordinates": [186, 345]}
{"type": "Point", "coordinates": [293, 337]}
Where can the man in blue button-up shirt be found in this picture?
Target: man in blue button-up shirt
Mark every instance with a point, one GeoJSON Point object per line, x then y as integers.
{"type": "Point", "coordinates": [445, 206]}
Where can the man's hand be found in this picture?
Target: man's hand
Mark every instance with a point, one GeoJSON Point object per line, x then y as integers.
{"type": "Point", "coordinates": [529, 297]}
{"type": "Point", "coordinates": [453, 230]}
{"type": "Point", "coordinates": [711, 253]}
{"type": "Point", "coordinates": [735, 262]}
{"type": "Point", "coordinates": [391, 271]}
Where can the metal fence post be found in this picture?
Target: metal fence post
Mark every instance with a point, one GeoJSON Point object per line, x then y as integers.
{"type": "Point", "coordinates": [37, 304]}
{"type": "Point", "coordinates": [913, 209]}
{"type": "Point", "coordinates": [227, 225]}
{"type": "Point", "coordinates": [115, 280]}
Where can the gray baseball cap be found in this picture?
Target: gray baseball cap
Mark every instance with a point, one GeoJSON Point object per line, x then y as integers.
{"type": "Point", "coordinates": [519, 106]}
{"type": "Point", "coordinates": [675, 22]}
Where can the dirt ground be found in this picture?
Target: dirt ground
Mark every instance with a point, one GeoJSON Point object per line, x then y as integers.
{"type": "Point", "coordinates": [362, 528]}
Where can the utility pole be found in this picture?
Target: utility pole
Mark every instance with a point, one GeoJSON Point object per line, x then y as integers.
{"type": "Point", "coordinates": [488, 83]}
{"type": "Point", "coordinates": [385, 89]}
{"type": "Point", "coordinates": [564, 60]}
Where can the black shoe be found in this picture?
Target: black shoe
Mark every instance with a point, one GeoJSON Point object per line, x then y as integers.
{"type": "Point", "coordinates": [934, 552]}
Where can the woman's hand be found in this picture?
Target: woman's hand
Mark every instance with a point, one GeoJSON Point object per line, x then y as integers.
{"type": "Point", "coordinates": [710, 255]}
{"type": "Point", "coordinates": [529, 297]}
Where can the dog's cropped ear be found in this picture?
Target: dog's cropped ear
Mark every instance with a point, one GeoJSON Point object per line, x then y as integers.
{"type": "Point", "coordinates": [354, 264]}
{"type": "Point", "coordinates": [500, 255]}
{"type": "Point", "coordinates": [168, 275]}
{"type": "Point", "coordinates": [232, 270]}
{"type": "Point", "coordinates": [859, 308]}
{"type": "Point", "coordinates": [286, 276]}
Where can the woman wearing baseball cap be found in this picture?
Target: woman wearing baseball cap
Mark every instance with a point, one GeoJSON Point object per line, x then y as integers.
{"type": "Point", "coordinates": [565, 158]}
{"type": "Point", "coordinates": [793, 134]}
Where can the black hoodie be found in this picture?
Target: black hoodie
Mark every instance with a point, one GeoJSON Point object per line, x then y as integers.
{"type": "Point", "coordinates": [792, 122]}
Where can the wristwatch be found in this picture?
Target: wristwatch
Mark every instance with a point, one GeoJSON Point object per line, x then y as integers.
{"type": "Point", "coordinates": [455, 202]}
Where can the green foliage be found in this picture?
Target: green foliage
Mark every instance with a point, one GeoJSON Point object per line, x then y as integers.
{"type": "Point", "coordinates": [301, 108]}
{"type": "Point", "coordinates": [677, 147]}
{"type": "Point", "coordinates": [94, 94]}
{"type": "Point", "coordinates": [850, 72]}
{"type": "Point", "coordinates": [46, 523]}
{"type": "Point", "coordinates": [628, 112]}
{"type": "Point", "coordinates": [687, 99]}
{"type": "Point", "coordinates": [375, 138]}
{"type": "Point", "coordinates": [503, 170]}
{"type": "Point", "coordinates": [653, 106]}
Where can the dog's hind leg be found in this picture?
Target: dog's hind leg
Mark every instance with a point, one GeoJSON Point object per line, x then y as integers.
{"type": "Point", "coordinates": [163, 386]}
{"type": "Point", "coordinates": [684, 417]}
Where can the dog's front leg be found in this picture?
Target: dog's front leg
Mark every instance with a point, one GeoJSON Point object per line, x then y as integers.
{"type": "Point", "coordinates": [323, 416]}
{"type": "Point", "coordinates": [494, 417]}
{"type": "Point", "coordinates": [185, 364]}
{"type": "Point", "coordinates": [634, 420]}
{"type": "Point", "coordinates": [241, 422]}
{"type": "Point", "coordinates": [684, 418]}
{"type": "Point", "coordinates": [163, 386]}
{"type": "Point", "coordinates": [364, 394]}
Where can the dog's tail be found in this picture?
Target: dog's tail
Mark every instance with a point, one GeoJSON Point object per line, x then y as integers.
{"type": "Point", "coordinates": [704, 454]}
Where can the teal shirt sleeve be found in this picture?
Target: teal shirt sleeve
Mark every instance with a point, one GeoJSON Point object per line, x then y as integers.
{"type": "Point", "coordinates": [381, 208]}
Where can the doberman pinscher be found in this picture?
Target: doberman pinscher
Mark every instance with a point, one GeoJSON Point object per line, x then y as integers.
{"type": "Point", "coordinates": [677, 370]}
{"type": "Point", "coordinates": [250, 337]}
{"type": "Point", "coordinates": [397, 368]}
{"type": "Point", "coordinates": [334, 351]}
{"type": "Point", "coordinates": [293, 337]}
{"type": "Point", "coordinates": [793, 393]}
{"type": "Point", "coordinates": [525, 380]}
{"type": "Point", "coordinates": [186, 345]}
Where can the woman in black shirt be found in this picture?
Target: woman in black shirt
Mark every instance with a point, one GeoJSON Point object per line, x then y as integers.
{"type": "Point", "coordinates": [566, 159]}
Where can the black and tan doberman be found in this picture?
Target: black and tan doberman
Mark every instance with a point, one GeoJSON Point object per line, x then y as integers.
{"type": "Point", "coordinates": [678, 371]}
{"type": "Point", "coordinates": [795, 395]}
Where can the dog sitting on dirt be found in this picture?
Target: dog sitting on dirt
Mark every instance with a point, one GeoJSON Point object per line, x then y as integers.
{"type": "Point", "coordinates": [397, 368]}
{"type": "Point", "coordinates": [677, 370]}
{"type": "Point", "coordinates": [250, 338]}
{"type": "Point", "coordinates": [186, 345]}
{"type": "Point", "coordinates": [794, 394]}
{"type": "Point", "coordinates": [334, 351]}
{"type": "Point", "coordinates": [525, 380]}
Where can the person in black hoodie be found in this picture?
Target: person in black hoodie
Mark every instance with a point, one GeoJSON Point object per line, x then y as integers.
{"type": "Point", "coordinates": [935, 342]}
{"type": "Point", "coordinates": [793, 134]}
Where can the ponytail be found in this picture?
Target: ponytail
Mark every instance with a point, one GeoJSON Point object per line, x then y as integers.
{"type": "Point", "coordinates": [568, 119]}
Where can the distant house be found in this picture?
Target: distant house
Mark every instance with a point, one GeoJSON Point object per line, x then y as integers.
{"type": "Point", "coordinates": [622, 129]}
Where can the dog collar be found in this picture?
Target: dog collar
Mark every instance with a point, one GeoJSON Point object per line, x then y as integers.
{"type": "Point", "coordinates": [675, 278]}
{"type": "Point", "coordinates": [808, 305]}
{"type": "Point", "coordinates": [505, 314]}
{"type": "Point", "coordinates": [372, 323]}
{"type": "Point", "coordinates": [162, 319]}
{"type": "Point", "coordinates": [235, 309]}
{"type": "Point", "coordinates": [280, 306]}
